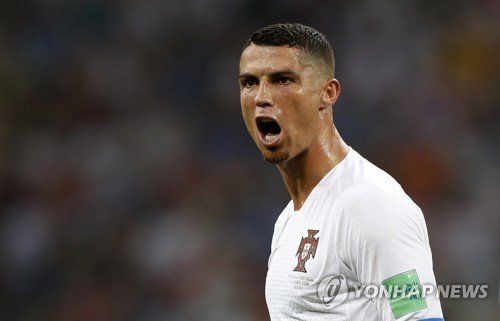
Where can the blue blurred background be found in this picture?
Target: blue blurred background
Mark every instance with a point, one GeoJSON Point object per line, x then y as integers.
{"type": "Point", "coordinates": [130, 190]}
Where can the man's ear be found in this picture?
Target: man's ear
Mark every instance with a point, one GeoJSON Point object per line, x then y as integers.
{"type": "Point", "coordinates": [330, 93]}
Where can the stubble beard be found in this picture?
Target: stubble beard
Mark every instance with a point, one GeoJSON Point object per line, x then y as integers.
{"type": "Point", "coordinates": [275, 157]}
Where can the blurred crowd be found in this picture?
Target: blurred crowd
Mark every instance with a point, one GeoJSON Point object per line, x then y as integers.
{"type": "Point", "coordinates": [130, 190]}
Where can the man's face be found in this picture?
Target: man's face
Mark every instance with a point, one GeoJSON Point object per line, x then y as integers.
{"type": "Point", "coordinates": [280, 94]}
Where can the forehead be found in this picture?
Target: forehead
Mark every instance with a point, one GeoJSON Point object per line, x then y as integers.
{"type": "Point", "coordinates": [271, 58]}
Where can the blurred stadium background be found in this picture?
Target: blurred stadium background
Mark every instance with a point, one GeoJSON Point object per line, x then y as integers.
{"type": "Point", "coordinates": [130, 190]}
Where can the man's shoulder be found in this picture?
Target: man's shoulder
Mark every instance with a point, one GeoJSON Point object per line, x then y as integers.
{"type": "Point", "coordinates": [365, 188]}
{"type": "Point", "coordinates": [284, 216]}
{"type": "Point", "coordinates": [361, 178]}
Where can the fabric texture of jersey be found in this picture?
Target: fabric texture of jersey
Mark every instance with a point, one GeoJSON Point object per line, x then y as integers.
{"type": "Point", "coordinates": [356, 229]}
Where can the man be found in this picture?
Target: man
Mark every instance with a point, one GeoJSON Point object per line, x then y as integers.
{"type": "Point", "coordinates": [351, 245]}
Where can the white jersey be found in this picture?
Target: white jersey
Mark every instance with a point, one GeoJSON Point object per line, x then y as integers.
{"type": "Point", "coordinates": [358, 249]}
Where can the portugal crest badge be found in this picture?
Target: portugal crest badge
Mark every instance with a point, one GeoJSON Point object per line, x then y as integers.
{"type": "Point", "coordinates": [307, 248]}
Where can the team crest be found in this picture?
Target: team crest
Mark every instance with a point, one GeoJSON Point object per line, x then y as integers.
{"type": "Point", "coordinates": [307, 248]}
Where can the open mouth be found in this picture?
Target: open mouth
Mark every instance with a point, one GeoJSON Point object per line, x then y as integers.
{"type": "Point", "coordinates": [269, 129]}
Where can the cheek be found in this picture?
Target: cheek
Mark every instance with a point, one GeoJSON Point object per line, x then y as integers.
{"type": "Point", "coordinates": [247, 112]}
{"type": "Point", "coordinates": [246, 109]}
{"type": "Point", "coordinates": [246, 100]}
{"type": "Point", "coordinates": [304, 119]}
{"type": "Point", "coordinates": [303, 109]}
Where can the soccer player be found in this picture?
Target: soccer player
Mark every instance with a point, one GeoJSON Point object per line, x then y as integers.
{"type": "Point", "coordinates": [350, 245]}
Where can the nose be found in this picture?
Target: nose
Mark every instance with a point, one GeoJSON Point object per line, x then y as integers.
{"type": "Point", "coordinates": [263, 98]}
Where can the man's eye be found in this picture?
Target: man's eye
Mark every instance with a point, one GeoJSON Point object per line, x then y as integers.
{"type": "Point", "coordinates": [248, 82]}
{"type": "Point", "coordinates": [283, 80]}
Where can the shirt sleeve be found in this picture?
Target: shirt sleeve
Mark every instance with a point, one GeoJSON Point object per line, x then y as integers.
{"type": "Point", "coordinates": [386, 245]}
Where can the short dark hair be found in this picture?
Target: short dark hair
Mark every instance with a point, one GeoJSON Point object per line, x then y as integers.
{"type": "Point", "coordinates": [296, 35]}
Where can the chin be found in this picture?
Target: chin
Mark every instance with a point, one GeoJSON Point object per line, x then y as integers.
{"type": "Point", "coordinates": [275, 158]}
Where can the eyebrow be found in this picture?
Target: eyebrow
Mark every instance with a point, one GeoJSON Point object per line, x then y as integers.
{"type": "Point", "coordinates": [275, 74]}
{"type": "Point", "coordinates": [246, 75]}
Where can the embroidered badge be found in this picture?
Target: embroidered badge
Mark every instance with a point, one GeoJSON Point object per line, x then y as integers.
{"type": "Point", "coordinates": [307, 248]}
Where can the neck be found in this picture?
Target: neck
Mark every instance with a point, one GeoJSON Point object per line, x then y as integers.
{"type": "Point", "coordinates": [304, 172]}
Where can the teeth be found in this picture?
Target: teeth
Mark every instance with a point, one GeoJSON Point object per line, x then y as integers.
{"type": "Point", "coordinates": [270, 138]}
{"type": "Point", "coordinates": [266, 120]}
